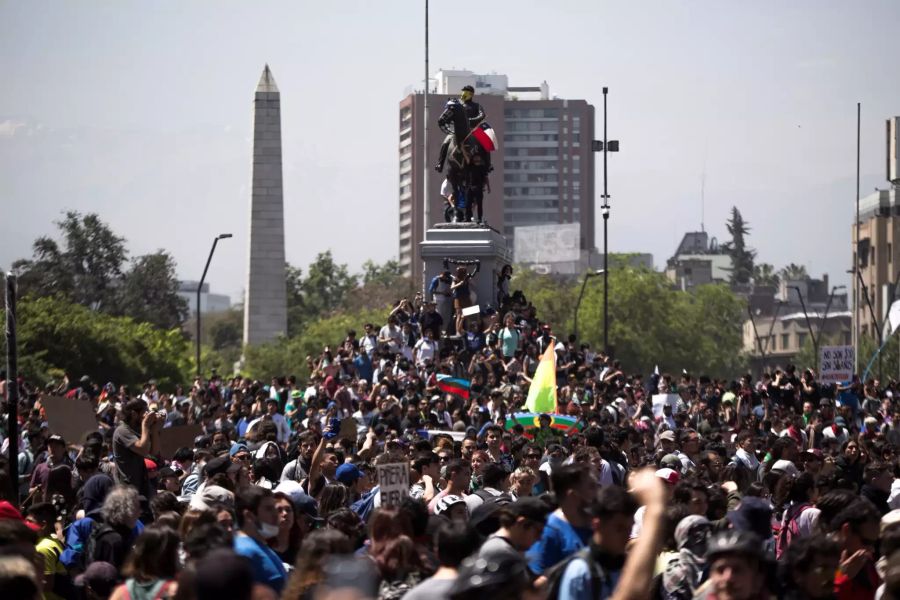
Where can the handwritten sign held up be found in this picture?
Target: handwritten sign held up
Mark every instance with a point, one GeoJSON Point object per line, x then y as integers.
{"type": "Point", "coordinates": [393, 481]}
{"type": "Point", "coordinates": [836, 363]}
{"type": "Point", "coordinates": [661, 400]}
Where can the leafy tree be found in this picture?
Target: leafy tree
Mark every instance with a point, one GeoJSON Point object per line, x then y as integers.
{"type": "Point", "coordinates": [742, 256]}
{"type": "Point", "coordinates": [326, 285]}
{"type": "Point", "coordinates": [384, 274]}
{"type": "Point", "coordinates": [86, 269]}
{"type": "Point", "coordinates": [149, 292]}
{"type": "Point", "coordinates": [296, 306]}
{"type": "Point", "coordinates": [56, 335]}
{"type": "Point", "coordinates": [794, 272]}
{"type": "Point", "coordinates": [764, 274]}
{"type": "Point", "coordinates": [226, 329]}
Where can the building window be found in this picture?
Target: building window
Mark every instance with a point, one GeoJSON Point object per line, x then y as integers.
{"type": "Point", "coordinates": [890, 252]}
{"type": "Point", "coordinates": [785, 341]}
{"type": "Point", "coordinates": [801, 339]}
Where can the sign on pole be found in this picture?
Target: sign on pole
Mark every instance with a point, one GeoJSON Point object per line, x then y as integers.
{"type": "Point", "coordinates": [393, 481]}
{"type": "Point", "coordinates": [836, 363]}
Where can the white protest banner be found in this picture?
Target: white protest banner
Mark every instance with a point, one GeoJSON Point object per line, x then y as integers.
{"type": "Point", "coordinates": [835, 363]}
{"type": "Point", "coordinates": [471, 310]}
{"type": "Point", "coordinates": [393, 481]}
{"type": "Point", "coordinates": [661, 400]}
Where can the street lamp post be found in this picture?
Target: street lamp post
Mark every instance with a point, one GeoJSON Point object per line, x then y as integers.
{"type": "Point", "coordinates": [221, 236]}
{"type": "Point", "coordinates": [605, 146]}
{"type": "Point", "coordinates": [812, 333]}
{"type": "Point", "coordinates": [587, 276]}
{"type": "Point", "coordinates": [827, 308]}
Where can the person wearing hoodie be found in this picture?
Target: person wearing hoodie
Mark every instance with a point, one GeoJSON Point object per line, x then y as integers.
{"type": "Point", "coordinates": [877, 481]}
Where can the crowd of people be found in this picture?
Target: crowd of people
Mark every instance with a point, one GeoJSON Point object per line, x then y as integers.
{"type": "Point", "coordinates": [745, 489]}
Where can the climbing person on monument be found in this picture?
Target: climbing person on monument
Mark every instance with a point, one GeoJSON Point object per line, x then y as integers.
{"type": "Point", "coordinates": [475, 114]}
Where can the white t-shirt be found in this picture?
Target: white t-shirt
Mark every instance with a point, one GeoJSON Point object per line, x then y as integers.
{"type": "Point", "coordinates": [425, 350]}
{"type": "Point", "coordinates": [394, 335]}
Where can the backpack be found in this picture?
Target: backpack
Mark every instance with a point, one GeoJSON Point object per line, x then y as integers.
{"type": "Point", "coordinates": [555, 573]}
{"type": "Point", "coordinates": [98, 532]}
{"type": "Point", "coordinates": [790, 529]}
{"type": "Point", "coordinates": [486, 496]}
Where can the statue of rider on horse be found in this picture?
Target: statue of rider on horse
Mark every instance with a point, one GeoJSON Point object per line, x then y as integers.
{"type": "Point", "coordinates": [466, 150]}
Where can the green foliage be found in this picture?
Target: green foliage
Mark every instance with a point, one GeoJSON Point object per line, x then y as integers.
{"type": "Point", "coordinates": [742, 256]}
{"type": "Point", "coordinates": [56, 335]}
{"type": "Point", "coordinates": [764, 274]}
{"type": "Point", "coordinates": [88, 269]}
{"type": "Point", "coordinates": [148, 292]}
{"type": "Point", "coordinates": [321, 292]}
{"type": "Point", "coordinates": [651, 323]}
{"type": "Point", "coordinates": [794, 272]}
{"type": "Point", "coordinates": [287, 356]}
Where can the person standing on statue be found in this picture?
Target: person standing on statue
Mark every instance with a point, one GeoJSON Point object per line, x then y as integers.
{"type": "Point", "coordinates": [475, 114]}
{"type": "Point", "coordinates": [462, 294]}
{"type": "Point", "coordinates": [441, 295]}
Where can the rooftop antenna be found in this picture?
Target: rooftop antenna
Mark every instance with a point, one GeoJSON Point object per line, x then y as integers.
{"type": "Point", "coordinates": [703, 189]}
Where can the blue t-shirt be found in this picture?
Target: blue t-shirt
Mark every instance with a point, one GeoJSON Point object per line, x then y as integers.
{"type": "Point", "coordinates": [576, 583]}
{"type": "Point", "coordinates": [267, 567]}
{"type": "Point", "coordinates": [559, 540]}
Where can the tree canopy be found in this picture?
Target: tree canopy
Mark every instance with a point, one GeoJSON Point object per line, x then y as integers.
{"type": "Point", "coordinates": [742, 256]}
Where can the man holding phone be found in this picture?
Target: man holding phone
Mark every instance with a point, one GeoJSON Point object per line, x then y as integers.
{"type": "Point", "coordinates": [131, 448]}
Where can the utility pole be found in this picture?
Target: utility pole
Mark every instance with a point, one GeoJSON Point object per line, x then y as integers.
{"type": "Point", "coordinates": [425, 165]}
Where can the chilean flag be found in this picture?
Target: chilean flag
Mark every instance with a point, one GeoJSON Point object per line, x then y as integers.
{"type": "Point", "coordinates": [485, 135]}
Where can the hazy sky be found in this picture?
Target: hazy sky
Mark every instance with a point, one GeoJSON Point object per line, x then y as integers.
{"type": "Point", "coordinates": [140, 111]}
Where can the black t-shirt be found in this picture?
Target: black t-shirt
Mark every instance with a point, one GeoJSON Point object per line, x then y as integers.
{"type": "Point", "coordinates": [130, 467]}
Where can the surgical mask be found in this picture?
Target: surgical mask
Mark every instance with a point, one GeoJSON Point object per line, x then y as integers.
{"type": "Point", "coordinates": [267, 530]}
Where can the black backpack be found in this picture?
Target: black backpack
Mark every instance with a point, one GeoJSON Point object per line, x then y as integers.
{"type": "Point", "coordinates": [555, 573]}
{"type": "Point", "coordinates": [98, 532]}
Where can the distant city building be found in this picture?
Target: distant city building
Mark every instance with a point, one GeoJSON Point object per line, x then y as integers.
{"type": "Point", "coordinates": [553, 249]}
{"type": "Point", "coordinates": [209, 303]}
{"type": "Point", "coordinates": [877, 252]}
{"type": "Point", "coordinates": [697, 261]}
{"type": "Point", "coordinates": [543, 171]}
{"type": "Point", "coordinates": [778, 329]}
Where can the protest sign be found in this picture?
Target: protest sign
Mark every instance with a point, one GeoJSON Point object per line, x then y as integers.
{"type": "Point", "coordinates": [393, 481]}
{"type": "Point", "coordinates": [348, 430]}
{"type": "Point", "coordinates": [836, 363]}
{"type": "Point", "coordinates": [69, 417]}
{"type": "Point", "coordinates": [180, 436]}
{"type": "Point", "coordinates": [661, 400]}
{"type": "Point", "coordinates": [471, 310]}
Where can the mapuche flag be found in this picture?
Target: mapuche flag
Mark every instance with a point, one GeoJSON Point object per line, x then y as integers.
{"type": "Point", "coordinates": [485, 135]}
{"type": "Point", "coordinates": [542, 392]}
{"type": "Point", "coordinates": [454, 385]}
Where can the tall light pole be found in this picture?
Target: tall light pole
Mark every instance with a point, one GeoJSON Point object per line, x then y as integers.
{"type": "Point", "coordinates": [605, 146]}
{"type": "Point", "coordinates": [12, 388]}
{"type": "Point", "coordinates": [857, 262]}
{"type": "Point", "coordinates": [587, 276]}
{"type": "Point", "coordinates": [425, 207]}
{"type": "Point", "coordinates": [221, 236]}
{"type": "Point", "coordinates": [827, 308]}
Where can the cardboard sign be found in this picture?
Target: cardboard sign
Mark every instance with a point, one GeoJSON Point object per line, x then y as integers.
{"type": "Point", "coordinates": [69, 417]}
{"type": "Point", "coordinates": [661, 400]}
{"type": "Point", "coordinates": [348, 430]}
{"type": "Point", "coordinates": [471, 310]}
{"type": "Point", "coordinates": [393, 481]}
{"type": "Point", "coordinates": [173, 438]}
{"type": "Point", "coordinates": [836, 363]}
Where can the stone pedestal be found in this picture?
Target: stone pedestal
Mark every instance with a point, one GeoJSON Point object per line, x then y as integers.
{"type": "Point", "coordinates": [467, 241]}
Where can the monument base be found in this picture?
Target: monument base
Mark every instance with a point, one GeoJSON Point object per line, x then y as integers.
{"type": "Point", "coordinates": [467, 242]}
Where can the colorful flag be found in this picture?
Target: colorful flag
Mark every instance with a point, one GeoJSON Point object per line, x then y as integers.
{"type": "Point", "coordinates": [542, 392]}
{"type": "Point", "coordinates": [454, 385]}
{"type": "Point", "coordinates": [485, 135]}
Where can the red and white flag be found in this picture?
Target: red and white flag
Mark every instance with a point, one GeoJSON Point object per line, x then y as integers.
{"type": "Point", "coordinates": [485, 135]}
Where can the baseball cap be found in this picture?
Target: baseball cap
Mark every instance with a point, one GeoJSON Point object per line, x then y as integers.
{"type": "Point", "coordinates": [303, 503]}
{"type": "Point", "coordinates": [670, 476]}
{"type": "Point", "coordinates": [170, 472]}
{"type": "Point", "coordinates": [669, 436]}
{"type": "Point", "coordinates": [733, 541]}
{"type": "Point", "coordinates": [56, 438]}
{"type": "Point", "coordinates": [211, 495]}
{"type": "Point", "coordinates": [348, 474]}
{"type": "Point", "coordinates": [238, 447]}
{"type": "Point", "coordinates": [671, 461]}
{"type": "Point", "coordinates": [786, 467]}
{"type": "Point", "coordinates": [101, 576]}
{"type": "Point", "coordinates": [220, 464]}
{"type": "Point", "coordinates": [447, 502]}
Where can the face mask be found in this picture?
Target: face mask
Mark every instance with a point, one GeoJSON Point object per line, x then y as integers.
{"type": "Point", "coordinates": [267, 530]}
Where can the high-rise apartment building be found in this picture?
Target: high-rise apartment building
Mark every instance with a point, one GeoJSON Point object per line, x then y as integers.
{"type": "Point", "coordinates": [543, 170]}
{"type": "Point", "coordinates": [877, 252]}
